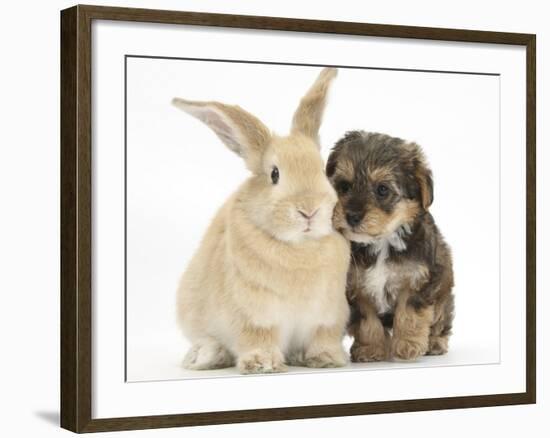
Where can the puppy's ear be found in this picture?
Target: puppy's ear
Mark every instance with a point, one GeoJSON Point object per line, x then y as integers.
{"type": "Point", "coordinates": [332, 161]}
{"type": "Point", "coordinates": [424, 179]}
{"type": "Point", "coordinates": [417, 175]}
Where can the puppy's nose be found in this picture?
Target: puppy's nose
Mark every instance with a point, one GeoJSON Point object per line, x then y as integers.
{"type": "Point", "coordinates": [354, 218]}
{"type": "Point", "coordinates": [308, 214]}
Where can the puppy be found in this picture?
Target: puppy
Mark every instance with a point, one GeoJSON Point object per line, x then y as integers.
{"type": "Point", "coordinates": [400, 278]}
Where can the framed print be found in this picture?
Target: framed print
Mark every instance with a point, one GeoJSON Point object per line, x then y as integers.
{"type": "Point", "coordinates": [267, 218]}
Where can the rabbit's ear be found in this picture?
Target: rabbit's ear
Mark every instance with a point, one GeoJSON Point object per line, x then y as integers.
{"type": "Point", "coordinates": [240, 131]}
{"type": "Point", "coordinates": [308, 116]}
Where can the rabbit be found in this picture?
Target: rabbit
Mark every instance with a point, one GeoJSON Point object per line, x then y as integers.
{"type": "Point", "coordinates": [266, 287]}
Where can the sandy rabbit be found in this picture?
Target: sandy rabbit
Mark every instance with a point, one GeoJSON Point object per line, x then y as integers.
{"type": "Point", "coordinates": [266, 287]}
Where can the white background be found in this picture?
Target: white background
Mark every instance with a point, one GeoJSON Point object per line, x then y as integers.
{"type": "Point", "coordinates": [179, 174]}
{"type": "Point", "coordinates": [30, 216]}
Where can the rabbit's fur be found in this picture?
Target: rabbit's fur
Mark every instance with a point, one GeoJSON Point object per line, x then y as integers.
{"type": "Point", "coordinates": [266, 287]}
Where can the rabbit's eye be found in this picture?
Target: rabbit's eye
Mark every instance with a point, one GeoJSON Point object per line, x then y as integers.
{"type": "Point", "coordinates": [275, 175]}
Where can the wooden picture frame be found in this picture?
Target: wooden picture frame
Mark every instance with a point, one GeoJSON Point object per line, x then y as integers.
{"type": "Point", "coordinates": [76, 217]}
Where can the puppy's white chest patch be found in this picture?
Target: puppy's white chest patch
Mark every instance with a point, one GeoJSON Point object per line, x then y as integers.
{"type": "Point", "coordinates": [375, 283]}
{"type": "Point", "coordinates": [378, 277]}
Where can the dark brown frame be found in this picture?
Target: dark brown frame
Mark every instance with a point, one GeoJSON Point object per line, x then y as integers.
{"type": "Point", "coordinates": [76, 225]}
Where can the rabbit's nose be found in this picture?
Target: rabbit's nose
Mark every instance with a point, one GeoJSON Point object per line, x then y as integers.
{"type": "Point", "coordinates": [308, 215]}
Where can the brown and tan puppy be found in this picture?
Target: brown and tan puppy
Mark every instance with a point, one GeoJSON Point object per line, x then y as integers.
{"type": "Point", "coordinates": [400, 278]}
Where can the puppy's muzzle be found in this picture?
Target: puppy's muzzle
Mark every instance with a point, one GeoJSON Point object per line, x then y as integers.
{"type": "Point", "coordinates": [354, 218]}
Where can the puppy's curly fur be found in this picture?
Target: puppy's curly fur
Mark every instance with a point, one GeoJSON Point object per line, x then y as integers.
{"type": "Point", "coordinates": [400, 278]}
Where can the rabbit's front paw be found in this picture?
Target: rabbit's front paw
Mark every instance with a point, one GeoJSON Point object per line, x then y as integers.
{"type": "Point", "coordinates": [207, 355]}
{"type": "Point", "coordinates": [262, 361]}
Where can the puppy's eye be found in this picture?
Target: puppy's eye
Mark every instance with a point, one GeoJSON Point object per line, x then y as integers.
{"type": "Point", "coordinates": [275, 175]}
{"type": "Point", "coordinates": [343, 187]}
{"type": "Point", "coordinates": [382, 190]}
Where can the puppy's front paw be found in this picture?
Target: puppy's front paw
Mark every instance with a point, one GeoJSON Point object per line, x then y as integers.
{"type": "Point", "coordinates": [408, 349]}
{"type": "Point", "coordinates": [374, 352]}
{"type": "Point", "coordinates": [438, 345]}
{"type": "Point", "coordinates": [261, 361]}
{"type": "Point", "coordinates": [326, 359]}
